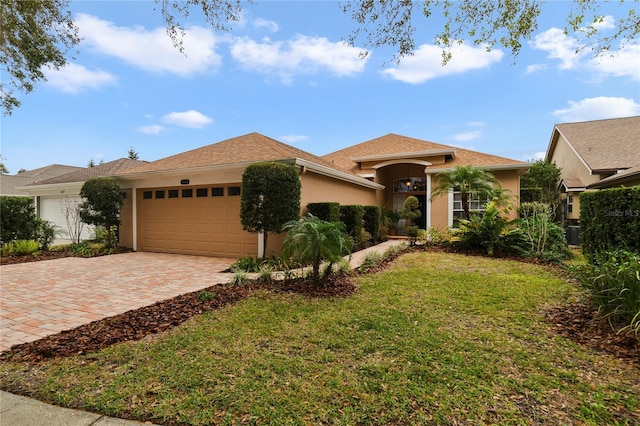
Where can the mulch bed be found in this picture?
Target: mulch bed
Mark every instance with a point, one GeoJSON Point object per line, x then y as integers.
{"type": "Point", "coordinates": [578, 322]}
{"type": "Point", "coordinates": [45, 255]}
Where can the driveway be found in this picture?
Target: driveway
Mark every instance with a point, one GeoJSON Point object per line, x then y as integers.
{"type": "Point", "coordinates": [42, 298]}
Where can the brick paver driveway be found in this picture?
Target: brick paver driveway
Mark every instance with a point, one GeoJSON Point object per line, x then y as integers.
{"type": "Point", "coordinates": [42, 298]}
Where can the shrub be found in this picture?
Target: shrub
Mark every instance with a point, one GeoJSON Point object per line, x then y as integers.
{"type": "Point", "coordinates": [246, 264]}
{"type": "Point", "coordinates": [327, 211]}
{"type": "Point", "coordinates": [17, 219]}
{"type": "Point", "coordinates": [438, 237]}
{"type": "Point", "coordinates": [610, 220]}
{"type": "Point", "coordinates": [613, 281]}
{"type": "Point", "coordinates": [491, 232]}
{"type": "Point", "coordinates": [411, 209]}
{"type": "Point", "coordinates": [372, 220]}
{"type": "Point", "coordinates": [45, 233]}
{"type": "Point", "coordinates": [206, 296]}
{"type": "Point", "coordinates": [351, 216]}
{"type": "Point", "coordinates": [412, 233]}
{"type": "Point", "coordinates": [20, 248]}
{"type": "Point", "coordinates": [545, 238]}
{"type": "Point", "coordinates": [102, 201]}
{"type": "Point", "coordinates": [371, 260]}
{"type": "Point", "coordinates": [240, 278]}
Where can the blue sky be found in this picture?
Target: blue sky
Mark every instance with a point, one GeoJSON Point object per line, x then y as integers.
{"type": "Point", "coordinates": [284, 72]}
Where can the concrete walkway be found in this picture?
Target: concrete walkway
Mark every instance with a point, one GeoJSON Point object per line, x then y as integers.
{"type": "Point", "coordinates": [98, 288]}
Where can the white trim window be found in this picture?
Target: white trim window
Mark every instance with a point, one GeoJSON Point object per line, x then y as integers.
{"type": "Point", "coordinates": [569, 203]}
{"type": "Point", "coordinates": [476, 204]}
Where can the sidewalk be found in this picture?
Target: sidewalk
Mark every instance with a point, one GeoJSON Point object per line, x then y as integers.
{"type": "Point", "coordinates": [18, 410]}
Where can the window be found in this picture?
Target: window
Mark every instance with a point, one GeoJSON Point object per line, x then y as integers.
{"type": "Point", "coordinates": [569, 203]}
{"type": "Point", "coordinates": [147, 195]}
{"type": "Point", "coordinates": [173, 193]}
{"type": "Point", "coordinates": [187, 193]}
{"type": "Point", "coordinates": [160, 193]}
{"type": "Point", "coordinates": [217, 192]}
{"type": "Point", "coordinates": [202, 192]}
{"type": "Point", "coordinates": [475, 202]}
{"type": "Point", "coordinates": [410, 184]}
{"type": "Point", "coordinates": [233, 191]}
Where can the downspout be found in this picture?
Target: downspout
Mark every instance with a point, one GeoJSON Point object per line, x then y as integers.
{"type": "Point", "coordinates": [428, 202]}
{"type": "Point", "coordinates": [134, 219]}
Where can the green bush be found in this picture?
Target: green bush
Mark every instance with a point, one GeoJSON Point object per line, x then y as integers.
{"type": "Point", "coordinates": [372, 220]}
{"type": "Point", "coordinates": [17, 219]}
{"type": "Point", "coordinates": [327, 211]}
{"type": "Point", "coordinates": [545, 238]}
{"type": "Point", "coordinates": [20, 248]}
{"type": "Point", "coordinates": [490, 232]}
{"type": "Point", "coordinates": [610, 220]}
{"type": "Point", "coordinates": [613, 280]}
{"type": "Point", "coordinates": [412, 233]}
{"type": "Point", "coordinates": [45, 233]}
{"type": "Point", "coordinates": [352, 217]}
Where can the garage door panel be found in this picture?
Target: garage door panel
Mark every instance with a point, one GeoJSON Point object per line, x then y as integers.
{"type": "Point", "coordinates": [197, 225]}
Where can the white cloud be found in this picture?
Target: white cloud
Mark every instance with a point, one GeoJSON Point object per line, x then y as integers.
{"type": "Point", "coordinates": [301, 55]}
{"type": "Point", "coordinates": [535, 156]}
{"type": "Point", "coordinates": [293, 138]}
{"type": "Point", "coordinates": [467, 136]}
{"type": "Point", "coordinates": [535, 68]}
{"type": "Point", "coordinates": [560, 46]}
{"type": "Point", "coordinates": [266, 24]}
{"type": "Point", "coordinates": [151, 130]}
{"type": "Point", "coordinates": [598, 108]}
{"type": "Point", "coordinates": [191, 119]}
{"type": "Point", "coordinates": [151, 50]}
{"type": "Point", "coordinates": [74, 78]}
{"type": "Point", "coordinates": [607, 23]}
{"type": "Point", "coordinates": [624, 62]}
{"type": "Point", "coordinates": [426, 63]}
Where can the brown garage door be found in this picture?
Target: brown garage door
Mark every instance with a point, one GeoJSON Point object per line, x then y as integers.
{"type": "Point", "coordinates": [193, 220]}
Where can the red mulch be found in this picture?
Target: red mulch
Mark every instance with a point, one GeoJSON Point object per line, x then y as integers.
{"type": "Point", "coordinates": [45, 255]}
{"type": "Point", "coordinates": [577, 322]}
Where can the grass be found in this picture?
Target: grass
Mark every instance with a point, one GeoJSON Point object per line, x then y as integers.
{"type": "Point", "coordinates": [435, 339]}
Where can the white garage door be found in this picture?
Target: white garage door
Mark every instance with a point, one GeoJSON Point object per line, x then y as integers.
{"type": "Point", "coordinates": [201, 220]}
{"type": "Point", "coordinates": [52, 208]}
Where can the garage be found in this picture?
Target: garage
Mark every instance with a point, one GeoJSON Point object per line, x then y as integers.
{"type": "Point", "coordinates": [198, 220]}
{"type": "Point", "coordinates": [52, 208]}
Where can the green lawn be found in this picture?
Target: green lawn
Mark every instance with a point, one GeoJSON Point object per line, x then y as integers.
{"type": "Point", "coordinates": [436, 338]}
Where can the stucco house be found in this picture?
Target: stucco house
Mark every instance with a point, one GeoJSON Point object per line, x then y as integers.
{"type": "Point", "coordinates": [594, 155]}
{"type": "Point", "coordinates": [10, 184]}
{"type": "Point", "coordinates": [190, 202]}
{"type": "Point", "coordinates": [54, 194]}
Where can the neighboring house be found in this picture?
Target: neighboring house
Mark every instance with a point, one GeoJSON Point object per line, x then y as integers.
{"type": "Point", "coordinates": [54, 195]}
{"type": "Point", "coordinates": [9, 184]}
{"type": "Point", "coordinates": [594, 155]}
{"type": "Point", "coordinates": [190, 203]}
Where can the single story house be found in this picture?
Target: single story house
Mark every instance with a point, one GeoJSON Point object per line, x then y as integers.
{"type": "Point", "coordinates": [594, 155]}
{"type": "Point", "coordinates": [55, 194]}
{"type": "Point", "coordinates": [10, 184]}
{"type": "Point", "coordinates": [190, 202]}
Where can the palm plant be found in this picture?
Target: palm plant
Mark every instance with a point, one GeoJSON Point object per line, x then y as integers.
{"type": "Point", "coordinates": [311, 240]}
{"type": "Point", "coordinates": [470, 181]}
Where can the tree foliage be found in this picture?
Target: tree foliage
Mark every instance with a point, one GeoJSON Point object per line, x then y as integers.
{"type": "Point", "coordinates": [545, 176]}
{"type": "Point", "coordinates": [18, 218]}
{"type": "Point", "coordinates": [133, 154]}
{"type": "Point", "coordinates": [34, 35]}
{"type": "Point", "coordinates": [311, 240]}
{"type": "Point", "coordinates": [102, 201]}
{"type": "Point", "coordinates": [488, 23]}
{"type": "Point", "coordinates": [270, 197]}
{"type": "Point", "coordinates": [469, 181]}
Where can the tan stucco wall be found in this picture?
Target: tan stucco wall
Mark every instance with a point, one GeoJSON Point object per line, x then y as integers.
{"type": "Point", "coordinates": [317, 188]}
{"type": "Point", "coordinates": [570, 164]}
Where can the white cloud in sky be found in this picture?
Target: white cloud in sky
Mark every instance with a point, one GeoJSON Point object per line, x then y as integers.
{"type": "Point", "coordinates": [153, 129]}
{"type": "Point", "coordinates": [467, 136]}
{"type": "Point", "coordinates": [191, 119]}
{"type": "Point", "coordinates": [266, 24]}
{"type": "Point", "coordinates": [573, 53]}
{"type": "Point", "coordinates": [426, 62]}
{"type": "Point", "coordinates": [302, 54]}
{"type": "Point", "coordinates": [75, 78]}
{"type": "Point", "coordinates": [151, 50]}
{"type": "Point", "coordinates": [293, 138]}
{"type": "Point", "coordinates": [598, 108]}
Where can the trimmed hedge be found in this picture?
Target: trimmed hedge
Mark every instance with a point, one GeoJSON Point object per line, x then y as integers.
{"type": "Point", "coordinates": [327, 211]}
{"type": "Point", "coordinates": [610, 220]}
{"type": "Point", "coordinates": [351, 216]}
{"type": "Point", "coordinates": [372, 219]}
{"type": "Point", "coordinates": [18, 217]}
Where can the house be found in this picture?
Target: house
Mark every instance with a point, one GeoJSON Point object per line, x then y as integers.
{"type": "Point", "coordinates": [55, 194]}
{"type": "Point", "coordinates": [190, 202]}
{"type": "Point", "coordinates": [594, 155]}
{"type": "Point", "coordinates": [9, 184]}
